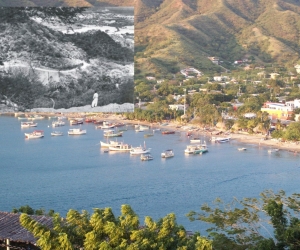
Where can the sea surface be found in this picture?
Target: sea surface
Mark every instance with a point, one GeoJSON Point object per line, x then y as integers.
{"type": "Point", "coordinates": [67, 172]}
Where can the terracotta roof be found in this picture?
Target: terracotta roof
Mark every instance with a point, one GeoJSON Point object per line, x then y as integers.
{"type": "Point", "coordinates": [10, 227]}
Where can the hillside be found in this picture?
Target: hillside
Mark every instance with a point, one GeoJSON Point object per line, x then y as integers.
{"type": "Point", "coordinates": [67, 62]}
{"type": "Point", "coordinates": [174, 33]}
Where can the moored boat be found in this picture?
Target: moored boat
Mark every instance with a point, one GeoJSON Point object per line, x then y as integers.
{"type": "Point", "coordinates": [195, 140]}
{"type": "Point", "coordinates": [200, 149]}
{"type": "Point", "coordinates": [58, 123]}
{"type": "Point", "coordinates": [35, 117]}
{"type": "Point", "coordinates": [139, 150]}
{"type": "Point", "coordinates": [111, 133]}
{"type": "Point", "coordinates": [35, 134]}
{"type": "Point", "coordinates": [28, 124]}
{"type": "Point", "coordinates": [120, 147]}
{"type": "Point", "coordinates": [168, 132]}
{"type": "Point", "coordinates": [76, 131]}
{"type": "Point", "coordinates": [56, 133]}
{"type": "Point", "coordinates": [146, 157]}
{"type": "Point", "coordinates": [220, 139]}
{"type": "Point", "coordinates": [242, 149]}
{"type": "Point", "coordinates": [167, 153]}
{"type": "Point", "coordinates": [110, 143]}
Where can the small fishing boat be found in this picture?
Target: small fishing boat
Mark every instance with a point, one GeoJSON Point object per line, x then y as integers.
{"type": "Point", "coordinates": [89, 120]}
{"type": "Point", "coordinates": [58, 123]}
{"type": "Point", "coordinates": [35, 117]}
{"type": "Point", "coordinates": [146, 157]}
{"type": "Point", "coordinates": [200, 149]}
{"type": "Point", "coordinates": [140, 150]}
{"type": "Point", "coordinates": [220, 139]}
{"type": "Point", "coordinates": [28, 124]}
{"type": "Point", "coordinates": [22, 118]}
{"type": "Point", "coordinates": [167, 153]}
{"type": "Point", "coordinates": [110, 143]}
{"type": "Point", "coordinates": [242, 149]}
{"type": "Point", "coordinates": [111, 133]}
{"type": "Point", "coordinates": [120, 147]}
{"type": "Point", "coordinates": [273, 150]}
{"type": "Point", "coordinates": [76, 131]}
{"type": "Point", "coordinates": [56, 133]}
{"type": "Point", "coordinates": [195, 140]}
{"type": "Point", "coordinates": [196, 149]}
{"type": "Point", "coordinates": [35, 134]}
{"type": "Point", "coordinates": [168, 132]}
{"type": "Point", "coordinates": [148, 135]}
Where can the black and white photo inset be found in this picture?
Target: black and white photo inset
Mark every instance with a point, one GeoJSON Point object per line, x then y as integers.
{"type": "Point", "coordinates": [67, 59]}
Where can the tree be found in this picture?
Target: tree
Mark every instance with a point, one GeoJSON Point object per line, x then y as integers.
{"type": "Point", "coordinates": [103, 230]}
{"type": "Point", "coordinates": [292, 132]}
{"type": "Point", "coordinates": [244, 224]}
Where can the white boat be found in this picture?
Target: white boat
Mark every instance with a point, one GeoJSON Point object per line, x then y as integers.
{"type": "Point", "coordinates": [202, 148]}
{"type": "Point", "coordinates": [106, 126]}
{"type": "Point", "coordinates": [110, 143]}
{"type": "Point", "coordinates": [144, 127]}
{"type": "Point", "coordinates": [242, 149]}
{"type": "Point", "coordinates": [76, 131]}
{"type": "Point", "coordinates": [22, 118]}
{"type": "Point", "coordinates": [273, 150]}
{"type": "Point", "coordinates": [35, 117]}
{"type": "Point", "coordinates": [190, 149]}
{"type": "Point", "coordinates": [56, 133]}
{"type": "Point", "coordinates": [28, 124]}
{"type": "Point", "coordinates": [196, 149]}
{"type": "Point", "coordinates": [112, 133]}
{"type": "Point", "coordinates": [220, 139]}
{"type": "Point", "coordinates": [195, 140]}
{"type": "Point", "coordinates": [146, 157]}
{"type": "Point", "coordinates": [35, 134]}
{"type": "Point", "coordinates": [139, 150]}
{"type": "Point", "coordinates": [120, 147]}
{"type": "Point", "coordinates": [58, 124]}
{"type": "Point", "coordinates": [167, 153]}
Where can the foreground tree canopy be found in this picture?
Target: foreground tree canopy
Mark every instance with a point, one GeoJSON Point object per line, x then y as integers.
{"type": "Point", "coordinates": [103, 230]}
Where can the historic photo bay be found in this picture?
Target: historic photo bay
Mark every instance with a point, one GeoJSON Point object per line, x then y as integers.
{"type": "Point", "coordinates": [72, 59]}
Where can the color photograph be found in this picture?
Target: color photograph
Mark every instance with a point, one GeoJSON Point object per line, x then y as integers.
{"type": "Point", "coordinates": [207, 155]}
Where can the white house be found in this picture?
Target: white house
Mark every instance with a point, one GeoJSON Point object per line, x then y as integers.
{"type": "Point", "coordinates": [177, 107]}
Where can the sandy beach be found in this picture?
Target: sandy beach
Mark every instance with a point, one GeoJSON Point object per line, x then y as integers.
{"type": "Point", "coordinates": [193, 129]}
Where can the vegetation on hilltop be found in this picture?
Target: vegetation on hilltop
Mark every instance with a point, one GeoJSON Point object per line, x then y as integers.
{"type": "Point", "coordinates": [230, 30]}
{"type": "Point", "coordinates": [99, 44]}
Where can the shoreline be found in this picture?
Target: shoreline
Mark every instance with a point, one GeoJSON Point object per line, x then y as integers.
{"type": "Point", "coordinates": [195, 130]}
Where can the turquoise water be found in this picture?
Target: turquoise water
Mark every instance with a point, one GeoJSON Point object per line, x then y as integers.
{"type": "Point", "coordinates": [67, 172]}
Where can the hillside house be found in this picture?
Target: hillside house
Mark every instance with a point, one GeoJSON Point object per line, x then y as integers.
{"type": "Point", "coordinates": [219, 78]}
{"type": "Point", "coordinates": [279, 111]}
{"type": "Point", "coordinates": [188, 72]}
{"type": "Point", "coordinates": [150, 78]}
{"type": "Point", "coordinates": [274, 75]}
{"type": "Point", "coordinates": [177, 107]}
{"type": "Point", "coordinates": [214, 60]}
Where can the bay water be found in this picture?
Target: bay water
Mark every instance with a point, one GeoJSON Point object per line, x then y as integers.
{"type": "Point", "coordinates": [73, 172]}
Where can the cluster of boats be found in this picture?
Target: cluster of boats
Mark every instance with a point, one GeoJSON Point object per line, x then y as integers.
{"type": "Point", "coordinates": [143, 151]}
